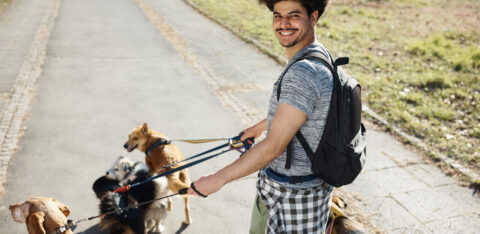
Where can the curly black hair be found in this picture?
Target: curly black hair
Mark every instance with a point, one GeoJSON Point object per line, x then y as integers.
{"type": "Point", "coordinates": [310, 5]}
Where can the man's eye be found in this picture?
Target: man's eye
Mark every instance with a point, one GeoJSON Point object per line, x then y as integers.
{"type": "Point", "coordinates": [277, 16]}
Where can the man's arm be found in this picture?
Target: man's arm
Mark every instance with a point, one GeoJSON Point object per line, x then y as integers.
{"type": "Point", "coordinates": [286, 122]}
{"type": "Point", "coordinates": [254, 131]}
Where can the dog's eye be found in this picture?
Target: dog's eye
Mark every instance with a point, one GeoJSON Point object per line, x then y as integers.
{"type": "Point", "coordinates": [115, 169]}
{"type": "Point", "coordinates": [135, 138]}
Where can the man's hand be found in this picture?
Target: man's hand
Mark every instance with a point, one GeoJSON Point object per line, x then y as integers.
{"type": "Point", "coordinates": [206, 185]}
{"type": "Point", "coordinates": [254, 131]}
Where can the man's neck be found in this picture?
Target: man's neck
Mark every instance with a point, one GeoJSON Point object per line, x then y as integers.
{"type": "Point", "coordinates": [291, 51]}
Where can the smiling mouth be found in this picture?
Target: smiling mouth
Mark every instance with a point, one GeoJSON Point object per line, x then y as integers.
{"type": "Point", "coordinates": [286, 33]}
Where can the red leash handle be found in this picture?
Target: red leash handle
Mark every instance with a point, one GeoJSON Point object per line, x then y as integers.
{"type": "Point", "coordinates": [122, 189]}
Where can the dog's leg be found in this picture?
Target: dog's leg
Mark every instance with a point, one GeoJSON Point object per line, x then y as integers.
{"type": "Point", "coordinates": [187, 211]}
{"type": "Point", "coordinates": [177, 181]}
{"type": "Point", "coordinates": [169, 204]}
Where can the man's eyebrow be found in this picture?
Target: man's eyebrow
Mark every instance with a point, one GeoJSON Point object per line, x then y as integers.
{"type": "Point", "coordinates": [290, 12]}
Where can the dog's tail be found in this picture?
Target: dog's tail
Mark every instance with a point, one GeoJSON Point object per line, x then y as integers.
{"type": "Point", "coordinates": [178, 180]}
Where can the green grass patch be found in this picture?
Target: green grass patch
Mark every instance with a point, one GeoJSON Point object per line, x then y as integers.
{"type": "Point", "coordinates": [418, 60]}
{"type": "Point", "coordinates": [3, 4]}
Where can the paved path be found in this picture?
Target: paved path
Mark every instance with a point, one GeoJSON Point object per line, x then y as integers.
{"type": "Point", "coordinates": [110, 65]}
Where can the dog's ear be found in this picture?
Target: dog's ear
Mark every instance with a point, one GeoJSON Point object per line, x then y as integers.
{"type": "Point", "coordinates": [144, 128]}
{"type": "Point", "coordinates": [62, 207]}
{"type": "Point", "coordinates": [20, 211]}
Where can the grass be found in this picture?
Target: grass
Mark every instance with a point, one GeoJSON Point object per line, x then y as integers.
{"type": "Point", "coordinates": [3, 4]}
{"type": "Point", "coordinates": [417, 60]}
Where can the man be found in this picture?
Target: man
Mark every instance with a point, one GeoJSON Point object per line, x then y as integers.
{"type": "Point", "coordinates": [289, 200]}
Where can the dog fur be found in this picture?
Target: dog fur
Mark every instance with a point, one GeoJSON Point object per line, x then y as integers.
{"type": "Point", "coordinates": [341, 223]}
{"type": "Point", "coordinates": [41, 214]}
{"type": "Point", "coordinates": [141, 138]}
{"type": "Point", "coordinates": [134, 220]}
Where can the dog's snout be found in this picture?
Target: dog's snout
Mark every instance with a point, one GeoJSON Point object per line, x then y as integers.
{"type": "Point", "coordinates": [125, 146]}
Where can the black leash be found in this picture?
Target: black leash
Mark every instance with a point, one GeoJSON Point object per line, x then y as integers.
{"type": "Point", "coordinates": [128, 187]}
{"type": "Point", "coordinates": [73, 223]}
{"type": "Point", "coordinates": [235, 144]}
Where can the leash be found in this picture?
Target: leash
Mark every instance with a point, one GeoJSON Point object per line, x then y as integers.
{"type": "Point", "coordinates": [234, 143]}
{"type": "Point", "coordinates": [74, 223]}
{"type": "Point", "coordinates": [201, 141]}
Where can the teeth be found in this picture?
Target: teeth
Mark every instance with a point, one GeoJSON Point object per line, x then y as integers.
{"type": "Point", "coordinates": [286, 33]}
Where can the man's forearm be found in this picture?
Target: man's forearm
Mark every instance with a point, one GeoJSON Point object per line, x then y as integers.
{"type": "Point", "coordinates": [262, 125]}
{"type": "Point", "coordinates": [252, 161]}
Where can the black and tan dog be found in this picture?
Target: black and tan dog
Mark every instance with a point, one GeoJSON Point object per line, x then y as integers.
{"type": "Point", "coordinates": [139, 219]}
{"type": "Point", "coordinates": [143, 138]}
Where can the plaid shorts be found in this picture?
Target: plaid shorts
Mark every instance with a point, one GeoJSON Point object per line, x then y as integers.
{"type": "Point", "coordinates": [295, 210]}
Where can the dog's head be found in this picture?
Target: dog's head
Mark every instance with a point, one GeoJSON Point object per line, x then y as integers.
{"type": "Point", "coordinates": [137, 138]}
{"type": "Point", "coordinates": [120, 169]}
{"type": "Point", "coordinates": [20, 211]}
{"type": "Point", "coordinates": [62, 207]}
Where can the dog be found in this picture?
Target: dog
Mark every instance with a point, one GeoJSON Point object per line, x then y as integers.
{"type": "Point", "coordinates": [141, 219]}
{"type": "Point", "coordinates": [41, 214]}
{"type": "Point", "coordinates": [142, 138]}
{"type": "Point", "coordinates": [338, 222]}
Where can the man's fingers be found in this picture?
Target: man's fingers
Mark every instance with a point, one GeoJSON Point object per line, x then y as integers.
{"type": "Point", "coordinates": [191, 192]}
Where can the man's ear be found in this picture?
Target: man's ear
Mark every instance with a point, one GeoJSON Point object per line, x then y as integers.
{"type": "Point", "coordinates": [20, 211]}
{"type": "Point", "coordinates": [144, 128]}
{"type": "Point", "coordinates": [314, 18]}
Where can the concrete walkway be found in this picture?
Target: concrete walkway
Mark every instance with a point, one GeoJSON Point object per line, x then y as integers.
{"type": "Point", "coordinates": [111, 65]}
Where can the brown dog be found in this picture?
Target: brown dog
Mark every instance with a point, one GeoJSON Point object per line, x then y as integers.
{"type": "Point", "coordinates": [142, 138]}
{"type": "Point", "coordinates": [41, 214]}
{"type": "Point", "coordinates": [341, 223]}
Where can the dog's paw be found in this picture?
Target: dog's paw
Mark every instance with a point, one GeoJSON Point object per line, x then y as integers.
{"type": "Point", "coordinates": [187, 222]}
{"type": "Point", "coordinates": [160, 228]}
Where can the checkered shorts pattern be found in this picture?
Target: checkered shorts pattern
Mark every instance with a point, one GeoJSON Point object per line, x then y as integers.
{"type": "Point", "coordinates": [295, 210]}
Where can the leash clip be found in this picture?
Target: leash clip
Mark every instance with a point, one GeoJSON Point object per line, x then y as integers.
{"type": "Point", "coordinates": [62, 229]}
{"type": "Point", "coordinates": [237, 144]}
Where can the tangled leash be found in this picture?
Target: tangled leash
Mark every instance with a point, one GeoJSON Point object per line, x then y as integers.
{"type": "Point", "coordinates": [234, 143]}
{"type": "Point", "coordinates": [73, 223]}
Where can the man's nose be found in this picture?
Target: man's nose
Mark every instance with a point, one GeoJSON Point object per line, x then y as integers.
{"type": "Point", "coordinates": [285, 22]}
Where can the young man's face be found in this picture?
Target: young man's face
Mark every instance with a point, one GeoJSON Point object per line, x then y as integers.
{"type": "Point", "coordinates": [292, 25]}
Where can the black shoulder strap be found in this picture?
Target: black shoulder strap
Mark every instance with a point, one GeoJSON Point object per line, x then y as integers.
{"type": "Point", "coordinates": [332, 66]}
{"type": "Point", "coordinates": [319, 56]}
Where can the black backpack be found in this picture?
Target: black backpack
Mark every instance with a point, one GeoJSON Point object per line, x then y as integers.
{"type": "Point", "coordinates": [341, 153]}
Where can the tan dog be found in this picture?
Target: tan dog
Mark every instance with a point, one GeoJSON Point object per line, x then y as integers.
{"type": "Point", "coordinates": [341, 223]}
{"type": "Point", "coordinates": [42, 214]}
{"type": "Point", "coordinates": [142, 138]}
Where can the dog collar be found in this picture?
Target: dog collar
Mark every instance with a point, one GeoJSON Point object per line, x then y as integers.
{"type": "Point", "coordinates": [156, 144]}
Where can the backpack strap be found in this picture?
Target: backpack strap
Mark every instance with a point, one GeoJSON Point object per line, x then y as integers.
{"type": "Point", "coordinates": [332, 66]}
